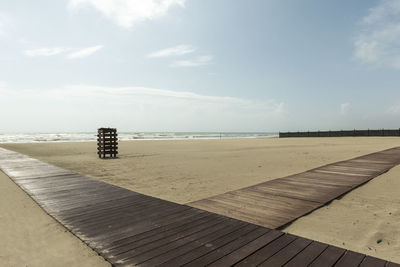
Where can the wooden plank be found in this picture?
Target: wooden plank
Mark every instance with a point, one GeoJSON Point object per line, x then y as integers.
{"type": "Point", "coordinates": [248, 249]}
{"type": "Point", "coordinates": [125, 220]}
{"type": "Point", "coordinates": [139, 228]}
{"type": "Point", "coordinates": [135, 243]}
{"type": "Point", "coordinates": [136, 206]}
{"type": "Point", "coordinates": [266, 251]}
{"type": "Point", "coordinates": [336, 172]}
{"type": "Point", "coordinates": [318, 180]}
{"type": "Point", "coordinates": [287, 253]}
{"type": "Point", "coordinates": [344, 180]}
{"type": "Point", "coordinates": [243, 202]}
{"type": "Point", "coordinates": [171, 225]}
{"type": "Point", "coordinates": [149, 250]}
{"type": "Point", "coordinates": [156, 251]}
{"type": "Point", "coordinates": [311, 193]}
{"type": "Point", "coordinates": [209, 246]}
{"type": "Point", "coordinates": [305, 257]}
{"type": "Point", "coordinates": [177, 232]}
{"type": "Point", "coordinates": [240, 214]}
{"type": "Point", "coordinates": [392, 264]}
{"type": "Point", "coordinates": [112, 206]}
{"type": "Point", "coordinates": [328, 257]}
{"type": "Point", "coordinates": [194, 244]}
{"type": "Point", "coordinates": [350, 259]}
{"type": "Point", "coordinates": [372, 262]}
{"type": "Point", "coordinates": [236, 244]}
{"type": "Point", "coordinates": [350, 170]}
{"type": "Point", "coordinates": [132, 216]}
{"type": "Point", "coordinates": [272, 202]}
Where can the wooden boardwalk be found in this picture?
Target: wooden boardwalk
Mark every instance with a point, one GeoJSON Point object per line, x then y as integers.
{"type": "Point", "coordinates": [131, 229]}
{"type": "Point", "coordinates": [277, 202]}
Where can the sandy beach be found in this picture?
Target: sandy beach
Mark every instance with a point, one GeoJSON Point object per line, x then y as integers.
{"type": "Point", "coordinates": [366, 220]}
{"type": "Point", "coordinates": [29, 237]}
{"type": "Point", "coordinates": [185, 171]}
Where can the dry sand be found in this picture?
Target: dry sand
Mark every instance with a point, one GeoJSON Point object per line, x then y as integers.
{"type": "Point", "coordinates": [184, 171]}
{"type": "Point", "coordinates": [29, 237]}
{"type": "Point", "coordinates": [361, 218]}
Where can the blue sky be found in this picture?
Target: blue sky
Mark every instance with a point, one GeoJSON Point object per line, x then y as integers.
{"type": "Point", "coordinates": [199, 65]}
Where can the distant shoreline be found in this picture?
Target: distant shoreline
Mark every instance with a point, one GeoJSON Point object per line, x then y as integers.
{"type": "Point", "coordinates": [128, 136]}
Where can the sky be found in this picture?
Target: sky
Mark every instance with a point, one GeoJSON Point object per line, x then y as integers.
{"type": "Point", "coordinates": [199, 65]}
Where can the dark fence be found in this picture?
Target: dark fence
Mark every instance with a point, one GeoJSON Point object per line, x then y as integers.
{"type": "Point", "coordinates": [381, 132]}
{"type": "Point", "coordinates": [107, 142]}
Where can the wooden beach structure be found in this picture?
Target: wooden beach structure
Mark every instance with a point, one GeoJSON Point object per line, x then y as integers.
{"type": "Point", "coordinates": [107, 143]}
{"type": "Point", "coordinates": [131, 229]}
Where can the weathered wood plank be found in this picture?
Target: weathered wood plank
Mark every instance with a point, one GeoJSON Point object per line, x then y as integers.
{"type": "Point", "coordinates": [209, 246]}
{"type": "Point", "coordinates": [372, 262]}
{"type": "Point", "coordinates": [305, 257]}
{"type": "Point", "coordinates": [248, 249]}
{"type": "Point", "coordinates": [328, 257]}
{"type": "Point", "coordinates": [267, 251]}
{"type": "Point", "coordinates": [226, 249]}
{"type": "Point", "coordinates": [286, 254]}
{"type": "Point", "coordinates": [350, 259]}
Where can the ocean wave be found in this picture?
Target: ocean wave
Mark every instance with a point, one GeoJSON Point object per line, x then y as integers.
{"type": "Point", "coordinates": [88, 137]}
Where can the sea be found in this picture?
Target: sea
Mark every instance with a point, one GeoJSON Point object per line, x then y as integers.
{"type": "Point", "coordinates": [92, 136]}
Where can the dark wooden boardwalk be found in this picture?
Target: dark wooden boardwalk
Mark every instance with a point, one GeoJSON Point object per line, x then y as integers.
{"type": "Point", "coordinates": [131, 229]}
{"type": "Point", "coordinates": [278, 202]}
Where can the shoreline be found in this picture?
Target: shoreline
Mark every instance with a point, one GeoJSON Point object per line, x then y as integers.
{"type": "Point", "coordinates": [10, 138]}
{"type": "Point", "coordinates": [142, 140]}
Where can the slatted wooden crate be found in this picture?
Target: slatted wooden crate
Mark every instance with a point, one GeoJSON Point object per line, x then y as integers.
{"type": "Point", "coordinates": [107, 142]}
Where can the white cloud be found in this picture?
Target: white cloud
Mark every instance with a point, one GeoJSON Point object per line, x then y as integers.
{"type": "Point", "coordinates": [378, 39]}
{"type": "Point", "coordinates": [5, 22]}
{"type": "Point", "coordinates": [195, 62]}
{"type": "Point", "coordinates": [45, 51]}
{"type": "Point", "coordinates": [367, 52]}
{"type": "Point", "coordinates": [143, 108]}
{"type": "Point", "coordinates": [85, 52]}
{"type": "Point", "coordinates": [173, 51]}
{"type": "Point", "coordinates": [345, 108]}
{"type": "Point", "coordinates": [53, 51]}
{"type": "Point", "coordinates": [126, 12]}
{"type": "Point", "coordinates": [2, 26]}
{"type": "Point", "coordinates": [123, 92]}
{"type": "Point", "coordinates": [395, 109]}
